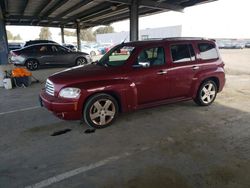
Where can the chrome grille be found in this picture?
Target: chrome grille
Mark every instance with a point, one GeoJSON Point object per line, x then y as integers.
{"type": "Point", "coordinates": [49, 87]}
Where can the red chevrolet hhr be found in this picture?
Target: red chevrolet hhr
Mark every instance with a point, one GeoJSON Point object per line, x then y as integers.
{"type": "Point", "coordinates": [150, 73]}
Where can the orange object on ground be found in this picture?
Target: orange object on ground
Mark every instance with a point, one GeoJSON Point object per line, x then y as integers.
{"type": "Point", "coordinates": [20, 72]}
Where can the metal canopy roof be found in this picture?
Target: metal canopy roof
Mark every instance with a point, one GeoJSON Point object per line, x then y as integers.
{"type": "Point", "coordinates": [89, 13]}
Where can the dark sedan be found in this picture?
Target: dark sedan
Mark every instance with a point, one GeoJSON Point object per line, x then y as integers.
{"type": "Point", "coordinates": [38, 55]}
{"type": "Point", "coordinates": [247, 45]}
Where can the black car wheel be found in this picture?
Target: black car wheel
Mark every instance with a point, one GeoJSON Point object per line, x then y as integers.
{"type": "Point", "coordinates": [32, 64]}
{"type": "Point", "coordinates": [206, 93]}
{"type": "Point", "coordinates": [100, 111]}
{"type": "Point", "coordinates": [81, 61]}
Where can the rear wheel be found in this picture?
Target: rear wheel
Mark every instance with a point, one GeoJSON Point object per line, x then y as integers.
{"type": "Point", "coordinates": [32, 64]}
{"type": "Point", "coordinates": [206, 93]}
{"type": "Point", "coordinates": [81, 61]}
{"type": "Point", "coordinates": [100, 111]}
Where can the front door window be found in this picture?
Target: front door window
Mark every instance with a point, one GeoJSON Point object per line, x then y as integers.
{"type": "Point", "coordinates": [151, 57]}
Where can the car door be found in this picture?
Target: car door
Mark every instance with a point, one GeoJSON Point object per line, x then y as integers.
{"type": "Point", "coordinates": [44, 54]}
{"type": "Point", "coordinates": [61, 55]}
{"type": "Point", "coordinates": [182, 69]}
{"type": "Point", "coordinates": [150, 75]}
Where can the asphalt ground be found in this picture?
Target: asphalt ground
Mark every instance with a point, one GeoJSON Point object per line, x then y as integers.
{"type": "Point", "coordinates": [177, 146]}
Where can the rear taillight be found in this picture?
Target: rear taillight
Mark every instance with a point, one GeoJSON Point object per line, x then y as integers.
{"type": "Point", "coordinates": [14, 53]}
{"type": "Point", "coordinates": [222, 64]}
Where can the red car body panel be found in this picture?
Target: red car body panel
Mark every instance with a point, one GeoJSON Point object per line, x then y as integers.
{"type": "Point", "coordinates": [134, 88]}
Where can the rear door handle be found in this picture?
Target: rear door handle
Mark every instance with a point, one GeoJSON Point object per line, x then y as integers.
{"type": "Point", "coordinates": [195, 67]}
{"type": "Point", "coordinates": [161, 72]}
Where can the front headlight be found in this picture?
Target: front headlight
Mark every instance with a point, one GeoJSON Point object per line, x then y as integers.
{"type": "Point", "coordinates": [70, 92]}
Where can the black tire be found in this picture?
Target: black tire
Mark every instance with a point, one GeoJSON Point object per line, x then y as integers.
{"type": "Point", "coordinates": [32, 64]}
{"type": "Point", "coordinates": [81, 61]}
{"type": "Point", "coordinates": [103, 113]}
{"type": "Point", "coordinates": [92, 53]}
{"type": "Point", "coordinates": [206, 96]}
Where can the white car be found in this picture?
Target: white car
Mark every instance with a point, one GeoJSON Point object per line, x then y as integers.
{"type": "Point", "coordinates": [89, 50]}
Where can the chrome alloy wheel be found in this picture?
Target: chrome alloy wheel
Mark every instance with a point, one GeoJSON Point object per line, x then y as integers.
{"type": "Point", "coordinates": [102, 112]}
{"type": "Point", "coordinates": [208, 93]}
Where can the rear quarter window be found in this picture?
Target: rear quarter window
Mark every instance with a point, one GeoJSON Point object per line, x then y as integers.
{"type": "Point", "coordinates": [208, 51]}
{"type": "Point", "coordinates": [182, 53]}
{"type": "Point", "coordinates": [29, 50]}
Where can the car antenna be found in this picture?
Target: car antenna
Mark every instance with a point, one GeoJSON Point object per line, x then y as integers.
{"type": "Point", "coordinates": [124, 40]}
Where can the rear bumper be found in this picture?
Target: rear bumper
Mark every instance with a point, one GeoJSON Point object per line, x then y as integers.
{"type": "Point", "coordinates": [222, 81]}
{"type": "Point", "coordinates": [62, 108]}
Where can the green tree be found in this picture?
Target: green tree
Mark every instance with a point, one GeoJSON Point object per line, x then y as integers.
{"type": "Point", "coordinates": [17, 37]}
{"type": "Point", "coordinates": [87, 35]}
{"type": "Point", "coordinates": [9, 35]}
{"type": "Point", "coordinates": [45, 34]}
{"type": "Point", "coordinates": [105, 29]}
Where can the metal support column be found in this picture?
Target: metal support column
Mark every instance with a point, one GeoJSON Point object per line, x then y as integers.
{"type": "Point", "coordinates": [134, 20]}
{"type": "Point", "coordinates": [3, 41]}
{"type": "Point", "coordinates": [78, 30]}
{"type": "Point", "coordinates": [62, 34]}
{"type": "Point", "coordinates": [3, 49]}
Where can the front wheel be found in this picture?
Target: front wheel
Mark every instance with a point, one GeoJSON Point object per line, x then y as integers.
{"type": "Point", "coordinates": [100, 111]}
{"type": "Point", "coordinates": [206, 93]}
{"type": "Point", "coordinates": [81, 61]}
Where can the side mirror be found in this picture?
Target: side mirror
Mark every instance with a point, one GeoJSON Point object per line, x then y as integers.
{"type": "Point", "coordinates": [142, 64]}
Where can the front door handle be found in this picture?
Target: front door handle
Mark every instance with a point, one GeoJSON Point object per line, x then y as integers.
{"type": "Point", "coordinates": [161, 72]}
{"type": "Point", "coordinates": [195, 67]}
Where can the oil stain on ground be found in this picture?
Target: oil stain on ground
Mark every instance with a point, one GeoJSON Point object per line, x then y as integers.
{"type": "Point", "coordinates": [60, 132]}
{"type": "Point", "coordinates": [45, 128]}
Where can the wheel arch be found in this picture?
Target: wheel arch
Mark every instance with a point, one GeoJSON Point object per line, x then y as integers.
{"type": "Point", "coordinates": [198, 85]}
{"type": "Point", "coordinates": [213, 78]}
{"type": "Point", "coordinates": [216, 80]}
{"type": "Point", "coordinates": [114, 94]}
{"type": "Point", "coordinates": [31, 58]}
{"type": "Point", "coordinates": [121, 90]}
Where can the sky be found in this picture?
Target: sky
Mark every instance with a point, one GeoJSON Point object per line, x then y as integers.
{"type": "Point", "coordinates": [219, 19]}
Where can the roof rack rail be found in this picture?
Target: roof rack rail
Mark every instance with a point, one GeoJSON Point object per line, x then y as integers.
{"type": "Point", "coordinates": [185, 38]}
{"type": "Point", "coordinates": [149, 39]}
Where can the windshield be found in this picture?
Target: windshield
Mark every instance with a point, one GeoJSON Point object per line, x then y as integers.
{"type": "Point", "coordinates": [117, 56]}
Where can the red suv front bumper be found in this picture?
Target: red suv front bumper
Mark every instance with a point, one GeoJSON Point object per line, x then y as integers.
{"type": "Point", "coordinates": [62, 108]}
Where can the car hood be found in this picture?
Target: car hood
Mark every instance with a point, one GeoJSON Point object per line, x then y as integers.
{"type": "Point", "coordinates": [83, 74]}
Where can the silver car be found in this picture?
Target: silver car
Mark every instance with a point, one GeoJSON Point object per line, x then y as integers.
{"type": "Point", "coordinates": [38, 55]}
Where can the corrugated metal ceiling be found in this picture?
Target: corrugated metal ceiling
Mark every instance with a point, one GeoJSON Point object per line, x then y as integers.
{"type": "Point", "coordinates": [56, 13]}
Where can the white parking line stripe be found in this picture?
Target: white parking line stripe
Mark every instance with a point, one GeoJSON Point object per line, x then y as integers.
{"type": "Point", "coordinates": [66, 175]}
{"type": "Point", "coordinates": [20, 110]}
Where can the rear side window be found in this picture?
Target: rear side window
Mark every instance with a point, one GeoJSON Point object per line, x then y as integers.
{"type": "Point", "coordinates": [207, 51]}
{"type": "Point", "coordinates": [30, 49]}
{"type": "Point", "coordinates": [182, 53]}
{"type": "Point", "coordinates": [42, 48]}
